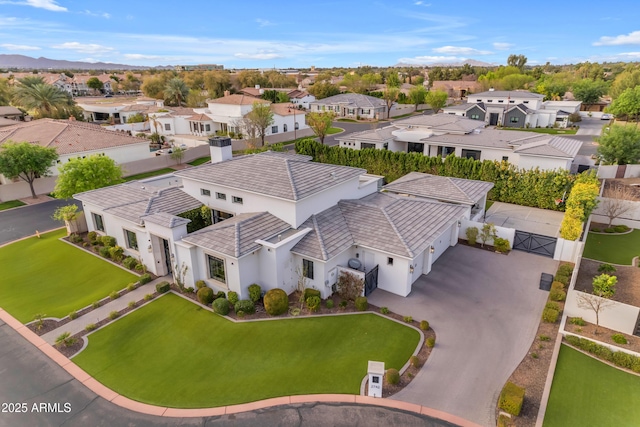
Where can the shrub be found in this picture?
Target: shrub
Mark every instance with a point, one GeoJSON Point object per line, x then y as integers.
{"type": "Point", "coordinates": [329, 303]}
{"type": "Point", "coordinates": [424, 325]}
{"type": "Point", "coordinates": [276, 302]}
{"type": "Point", "coordinates": [294, 311]}
{"type": "Point", "coordinates": [407, 319]}
{"type": "Point", "coordinates": [114, 315]}
{"type": "Point", "coordinates": [501, 245]}
{"type": "Point", "coordinates": [240, 314]}
{"type": "Point", "coordinates": [233, 297]}
{"type": "Point", "coordinates": [200, 284]}
{"type": "Point", "coordinates": [163, 287]}
{"type": "Point", "coordinates": [255, 292]}
{"type": "Point", "coordinates": [565, 270]}
{"type": "Point", "coordinates": [534, 355]}
{"type": "Point", "coordinates": [65, 339]}
{"type": "Point", "coordinates": [131, 287]}
{"type": "Point", "coordinates": [414, 361]}
{"type": "Point", "coordinates": [609, 230]}
{"type": "Point", "coordinates": [392, 376]}
{"type": "Point", "coordinates": [144, 279]}
{"type": "Point", "coordinates": [86, 244]}
{"type": "Point", "coordinates": [221, 306]}
{"type": "Point", "coordinates": [544, 338]}
{"type": "Point", "coordinates": [116, 253]}
{"type": "Point", "coordinates": [606, 268]}
{"type": "Point", "coordinates": [108, 240]}
{"type": "Point", "coordinates": [73, 315]}
{"type": "Point", "coordinates": [361, 303]}
{"type": "Point", "coordinates": [148, 297]}
{"type": "Point", "coordinates": [557, 286]}
{"type": "Point", "coordinates": [104, 252]}
{"type": "Point", "coordinates": [620, 228]}
{"type": "Point", "coordinates": [472, 235]}
{"type": "Point", "coordinates": [75, 238]}
{"type": "Point", "coordinates": [219, 294]}
{"type": "Point", "coordinates": [139, 267]}
{"type": "Point", "coordinates": [310, 292]}
{"type": "Point", "coordinates": [114, 295]}
{"type": "Point", "coordinates": [384, 310]}
{"type": "Point", "coordinates": [95, 304]}
{"type": "Point", "coordinates": [552, 305]}
{"type": "Point", "coordinates": [622, 359]}
{"type": "Point", "coordinates": [349, 286]}
{"type": "Point", "coordinates": [205, 295]}
{"type": "Point", "coordinates": [313, 303]}
{"type": "Point", "coordinates": [557, 295]}
{"type": "Point", "coordinates": [130, 262]}
{"type": "Point", "coordinates": [549, 315]}
{"type": "Point", "coordinates": [511, 399]}
{"type": "Point", "coordinates": [562, 279]}
{"type": "Point", "coordinates": [244, 305]}
{"type": "Point", "coordinates": [92, 236]}
{"type": "Point", "coordinates": [90, 327]}
{"type": "Point", "coordinates": [577, 321]}
{"type": "Point", "coordinates": [189, 290]}
{"type": "Point", "coordinates": [431, 342]}
{"type": "Point", "coordinates": [619, 339]}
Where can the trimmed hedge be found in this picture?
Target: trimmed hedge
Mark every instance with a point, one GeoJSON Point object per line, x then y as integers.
{"type": "Point", "coordinates": [557, 295]}
{"type": "Point", "coordinates": [276, 302]}
{"type": "Point", "coordinates": [246, 306]}
{"type": "Point", "coordinates": [362, 304]}
{"type": "Point", "coordinates": [313, 303]}
{"type": "Point", "coordinates": [233, 297]}
{"type": "Point", "coordinates": [163, 287]}
{"type": "Point", "coordinates": [200, 284]}
{"type": "Point", "coordinates": [130, 262]}
{"type": "Point", "coordinates": [392, 376]}
{"type": "Point", "coordinates": [255, 292]}
{"type": "Point", "coordinates": [618, 358]}
{"type": "Point", "coordinates": [205, 295]}
{"type": "Point", "coordinates": [108, 240]}
{"type": "Point", "coordinates": [511, 399]}
{"type": "Point", "coordinates": [144, 279]}
{"type": "Point", "coordinates": [565, 270]}
{"type": "Point", "coordinates": [424, 325]}
{"type": "Point", "coordinates": [221, 306]}
{"type": "Point", "coordinates": [550, 315]}
{"type": "Point", "coordinates": [431, 342]}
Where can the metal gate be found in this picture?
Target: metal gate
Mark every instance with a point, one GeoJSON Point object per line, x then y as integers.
{"type": "Point", "coordinates": [534, 243]}
{"type": "Point", "coordinates": [370, 281]}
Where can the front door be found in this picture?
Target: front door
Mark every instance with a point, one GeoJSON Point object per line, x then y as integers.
{"type": "Point", "coordinates": [493, 119]}
{"type": "Point", "coordinates": [167, 255]}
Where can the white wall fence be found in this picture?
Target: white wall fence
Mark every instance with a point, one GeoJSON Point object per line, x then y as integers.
{"type": "Point", "coordinates": [609, 171]}
{"type": "Point", "coordinates": [502, 232]}
{"type": "Point", "coordinates": [630, 218]}
{"type": "Point", "coordinates": [133, 127]}
{"type": "Point", "coordinates": [163, 161]}
{"type": "Point", "coordinates": [20, 189]}
{"type": "Point", "coordinates": [568, 250]}
{"type": "Point", "coordinates": [617, 316]}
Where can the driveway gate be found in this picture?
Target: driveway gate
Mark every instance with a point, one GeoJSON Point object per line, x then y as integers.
{"type": "Point", "coordinates": [534, 243]}
{"type": "Point", "coordinates": [370, 281]}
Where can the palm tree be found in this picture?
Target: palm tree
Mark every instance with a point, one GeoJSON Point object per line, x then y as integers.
{"type": "Point", "coordinates": [43, 99]}
{"type": "Point", "coordinates": [176, 91]}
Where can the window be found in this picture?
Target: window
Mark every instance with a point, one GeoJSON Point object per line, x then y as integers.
{"type": "Point", "coordinates": [351, 111]}
{"type": "Point", "coordinates": [132, 239]}
{"type": "Point", "coordinates": [475, 116]}
{"type": "Point", "coordinates": [389, 261]}
{"type": "Point", "coordinates": [471, 154]}
{"type": "Point", "coordinates": [167, 126]}
{"type": "Point", "coordinates": [489, 100]}
{"type": "Point", "coordinates": [238, 200]}
{"type": "Point", "coordinates": [219, 216]}
{"type": "Point", "coordinates": [364, 145]}
{"type": "Point", "coordinates": [205, 192]}
{"type": "Point", "coordinates": [366, 112]}
{"type": "Point", "coordinates": [415, 147]}
{"type": "Point", "coordinates": [505, 158]}
{"type": "Point", "coordinates": [511, 101]}
{"type": "Point", "coordinates": [284, 127]}
{"type": "Point", "coordinates": [97, 221]}
{"type": "Point", "coordinates": [216, 269]}
{"type": "Point", "coordinates": [500, 101]}
{"type": "Point", "coordinates": [207, 128]}
{"type": "Point", "coordinates": [526, 102]}
{"type": "Point", "coordinates": [221, 196]}
{"type": "Point", "coordinates": [307, 268]}
{"type": "Point", "coordinates": [296, 126]}
{"type": "Point", "coordinates": [514, 119]}
{"type": "Point", "coordinates": [274, 129]}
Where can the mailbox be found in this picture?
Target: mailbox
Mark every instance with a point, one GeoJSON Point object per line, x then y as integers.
{"type": "Point", "coordinates": [376, 375]}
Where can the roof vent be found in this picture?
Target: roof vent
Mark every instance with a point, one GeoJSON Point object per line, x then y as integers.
{"type": "Point", "coordinates": [279, 237]}
{"type": "Point", "coordinates": [333, 175]}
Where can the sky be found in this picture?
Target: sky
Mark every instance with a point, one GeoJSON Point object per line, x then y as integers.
{"type": "Point", "coordinates": [299, 34]}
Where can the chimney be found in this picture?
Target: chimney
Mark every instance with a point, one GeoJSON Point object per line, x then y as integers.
{"type": "Point", "coordinates": [220, 149]}
{"type": "Point", "coordinates": [491, 89]}
{"type": "Point", "coordinates": [261, 90]}
{"type": "Point", "coordinates": [226, 93]}
{"type": "Point", "coordinates": [257, 86]}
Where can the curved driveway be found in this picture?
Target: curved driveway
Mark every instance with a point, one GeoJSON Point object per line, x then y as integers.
{"type": "Point", "coordinates": [485, 309]}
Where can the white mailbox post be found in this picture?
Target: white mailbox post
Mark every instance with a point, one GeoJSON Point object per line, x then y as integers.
{"type": "Point", "coordinates": [376, 374]}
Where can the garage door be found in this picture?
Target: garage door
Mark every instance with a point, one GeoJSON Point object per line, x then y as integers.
{"type": "Point", "coordinates": [534, 243]}
{"type": "Point", "coordinates": [441, 244]}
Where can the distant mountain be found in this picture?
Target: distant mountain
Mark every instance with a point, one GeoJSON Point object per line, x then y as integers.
{"type": "Point", "coordinates": [471, 62]}
{"type": "Point", "coordinates": [21, 61]}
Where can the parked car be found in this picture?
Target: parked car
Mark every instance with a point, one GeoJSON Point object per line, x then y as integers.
{"type": "Point", "coordinates": [606, 117]}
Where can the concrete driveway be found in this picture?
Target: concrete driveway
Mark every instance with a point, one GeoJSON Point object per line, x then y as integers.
{"type": "Point", "coordinates": [525, 218]}
{"type": "Point", "coordinates": [24, 221]}
{"type": "Point", "coordinates": [485, 309]}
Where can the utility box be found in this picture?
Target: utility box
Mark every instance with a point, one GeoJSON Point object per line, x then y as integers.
{"type": "Point", "coordinates": [376, 375]}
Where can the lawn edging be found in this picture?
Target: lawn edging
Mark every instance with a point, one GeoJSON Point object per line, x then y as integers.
{"type": "Point", "coordinates": [135, 273]}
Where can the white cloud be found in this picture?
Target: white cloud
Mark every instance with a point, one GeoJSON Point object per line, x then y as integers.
{"type": "Point", "coordinates": [9, 46]}
{"type": "Point", "coordinates": [83, 48]}
{"type": "Point", "coordinates": [264, 22]}
{"type": "Point", "coordinates": [104, 15]}
{"type": "Point", "coordinates": [631, 38]}
{"type": "Point", "coordinates": [427, 59]}
{"type": "Point", "coordinates": [421, 3]}
{"type": "Point", "coordinates": [259, 55]}
{"type": "Point", "coordinates": [140, 56]}
{"type": "Point", "coordinates": [502, 46]}
{"type": "Point", "coordinates": [40, 4]}
{"type": "Point", "coordinates": [454, 50]}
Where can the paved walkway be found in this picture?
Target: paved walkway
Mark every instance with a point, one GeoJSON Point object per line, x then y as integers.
{"type": "Point", "coordinates": [103, 311]}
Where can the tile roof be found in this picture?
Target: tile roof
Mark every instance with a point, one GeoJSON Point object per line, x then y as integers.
{"type": "Point", "coordinates": [456, 190]}
{"type": "Point", "coordinates": [134, 201]}
{"type": "Point", "coordinates": [507, 93]}
{"type": "Point", "coordinates": [237, 236]}
{"type": "Point", "coordinates": [329, 237]}
{"type": "Point", "coordinates": [442, 122]}
{"type": "Point", "coordinates": [199, 118]}
{"type": "Point", "coordinates": [67, 137]}
{"type": "Point", "coordinates": [352, 99]}
{"type": "Point", "coordinates": [236, 99]}
{"type": "Point", "coordinates": [287, 176]}
{"type": "Point", "coordinates": [555, 147]}
{"type": "Point", "coordinates": [286, 110]}
{"type": "Point", "coordinates": [6, 122]}
{"type": "Point", "coordinates": [166, 220]}
{"type": "Point", "coordinates": [7, 110]}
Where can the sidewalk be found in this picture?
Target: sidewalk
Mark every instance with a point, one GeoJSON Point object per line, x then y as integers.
{"type": "Point", "coordinates": [103, 311]}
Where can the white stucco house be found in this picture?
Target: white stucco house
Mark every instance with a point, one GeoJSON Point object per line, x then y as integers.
{"type": "Point", "coordinates": [352, 105]}
{"type": "Point", "coordinates": [444, 134]}
{"type": "Point", "coordinates": [278, 217]}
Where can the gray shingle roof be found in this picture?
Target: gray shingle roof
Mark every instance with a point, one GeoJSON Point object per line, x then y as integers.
{"type": "Point", "coordinates": [491, 138]}
{"type": "Point", "coordinates": [166, 220]}
{"type": "Point", "coordinates": [282, 175]}
{"type": "Point", "coordinates": [237, 236]}
{"type": "Point", "coordinates": [383, 134]}
{"type": "Point", "coordinates": [134, 200]}
{"type": "Point", "coordinates": [555, 147]}
{"type": "Point", "coordinates": [456, 190]}
{"type": "Point", "coordinates": [506, 94]}
{"type": "Point", "coordinates": [352, 100]}
{"type": "Point", "coordinates": [442, 122]}
{"type": "Point", "coordinates": [330, 235]}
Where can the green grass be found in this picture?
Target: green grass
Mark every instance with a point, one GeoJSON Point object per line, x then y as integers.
{"type": "Point", "coordinates": [587, 392]}
{"type": "Point", "coordinates": [333, 130]}
{"type": "Point", "coordinates": [488, 204]}
{"type": "Point", "coordinates": [11, 204]}
{"type": "Point", "coordinates": [149, 174]}
{"type": "Point", "coordinates": [615, 249]}
{"type": "Point", "coordinates": [171, 352]}
{"type": "Point", "coordinates": [201, 160]}
{"type": "Point", "coordinates": [347, 120]}
{"type": "Point", "coordinates": [551, 131]}
{"type": "Point", "coordinates": [54, 278]}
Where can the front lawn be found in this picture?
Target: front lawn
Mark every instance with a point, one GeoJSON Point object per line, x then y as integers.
{"type": "Point", "coordinates": [11, 204]}
{"type": "Point", "coordinates": [51, 277]}
{"type": "Point", "coordinates": [334, 130]}
{"type": "Point", "coordinates": [613, 248]}
{"type": "Point", "coordinates": [174, 353]}
{"type": "Point", "coordinates": [200, 161]}
{"type": "Point", "coordinates": [144, 175]}
{"type": "Point", "coordinates": [587, 392]}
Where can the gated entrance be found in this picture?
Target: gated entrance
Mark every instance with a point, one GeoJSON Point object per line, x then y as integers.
{"type": "Point", "coordinates": [534, 243]}
{"type": "Point", "coordinates": [370, 281]}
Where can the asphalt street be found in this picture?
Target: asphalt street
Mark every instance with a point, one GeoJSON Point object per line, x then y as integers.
{"type": "Point", "coordinates": [24, 221]}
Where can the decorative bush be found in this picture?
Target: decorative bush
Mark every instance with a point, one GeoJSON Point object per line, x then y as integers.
{"type": "Point", "coordinates": [472, 235]}
{"type": "Point", "coordinates": [414, 361]}
{"type": "Point", "coordinates": [329, 303]}
{"type": "Point", "coordinates": [349, 286]}
{"type": "Point", "coordinates": [163, 287]}
{"type": "Point", "coordinates": [104, 252]}
{"type": "Point", "coordinates": [221, 306]}
{"type": "Point", "coordinates": [114, 315]}
{"type": "Point", "coordinates": [233, 297]}
{"type": "Point", "coordinates": [544, 338]}
{"type": "Point", "coordinates": [606, 268]}
{"type": "Point", "coordinates": [144, 279]}
{"type": "Point", "coordinates": [189, 290]}
{"type": "Point", "coordinates": [431, 342]}
{"type": "Point", "coordinates": [65, 339]}
{"type": "Point", "coordinates": [313, 303]}
{"type": "Point", "coordinates": [90, 327]}
{"type": "Point", "coordinates": [276, 302]}
{"type": "Point", "coordinates": [565, 270]}
{"type": "Point", "coordinates": [132, 304]}
{"type": "Point", "coordinates": [310, 292]}
{"type": "Point", "coordinates": [501, 245]}
{"type": "Point", "coordinates": [549, 315]}
{"type": "Point", "coordinates": [86, 244]}
{"type": "Point", "coordinates": [361, 303]}
{"type": "Point", "coordinates": [424, 325]}
{"type": "Point", "coordinates": [200, 284]}
{"type": "Point", "coordinates": [75, 238]}
{"type": "Point", "coordinates": [559, 286]}
{"type": "Point", "coordinates": [618, 358]}
{"type": "Point", "coordinates": [114, 295]}
{"type": "Point", "coordinates": [620, 228]}
{"type": "Point", "coordinates": [577, 321]}
{"type": "Point", "coordinates": [511, 399]}
{"type": "Point", "coordinates": [219, 294]}
{"type": "Point", "coordinates": [139, 268]}
{"type": "Point", "coordinates": [392, 376]}
{"type": "Point", "coordinates": [343, 304]}
{"type": "Point", "coordinates": [407, 319]}
{"type": "Point", "coordinates": [562, 279]}
{"type": "Point", "coordinates": [131, 286]}
{"type": "Point", "coordinates": [552, 305]}
{"type": "Point", "coordinates": [619, 339]}
{"type": "Point", "coordinates": [245, 306]}
{"type": "Point", "coordinates": [73, 315]}
{"type": "Point", "coordinates": [255, 292]}
{"type": "Point", "coordinates": [205, 295]}
{"type": "Point", "coordinates": [130, 262]}
{"type": "Point", "coordinates": [108, 240]}
{"type": "Point", "coordinates": [557, 295]}
{"type": "Point", "coordinates": [95, 304]}
{"type": "Point", "coordinates": [116, 253]}
{"type": "Point", "coordinates": [384, 310]}
{"type": "Point", "coordinates": [148, 297]}
{"type": "Point", "coordinates": [92, 236]}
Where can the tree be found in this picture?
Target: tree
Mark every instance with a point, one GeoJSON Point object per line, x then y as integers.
{"type": "Point", "coordinates": [153, 87]}
{"type": "Point", "coordinates": [248, 78]}
{"type": "Point", "coordinates": [5, 92]}
{"type": "Point", "coordinates": [260, 118]}
{"type": "Point", "coordinates": [393, 80]}
{"type": "Point", "coordinates": [42, 99]}
{"type": "Point", "coordinates": [95, 84]}
{"type": "Point", "coordinates": [176, 91]}
{"type": "Point", "coordinates": [627, 104]}
{"type": "Point", "coordinates": [518, 61]}
{"type": "Point", "coordinates": [436, 99]}
{"type": "Point", "coordinates": [320, 123]}
{"type": "Point", "coordinates": [417, 95]}
{"type": "Point", "coordinates": [26, 161]}
{"type": "Point", "coordinates": [616, 201]}
{"type": "Point", "coordinates": [79, 175]}
{"type": "Point", "coordinates": [589, 91]}
{"type": "Point", "coordinates": [487, 233]}
{"type": "Point", "coordinates": [390, 95]}
{"type": "Point", "coordinates": [323, 89]}
{"type": "Point", "coordinates": [216, 82]}
{"type": "Point", "coordinates": [594, 303]}
{"type": "Point", "coordinates": [625, 80]}
{"type": "Point", "coordinates": [620, 145]}
{"type": "Point", "coordinates": [177, 154]}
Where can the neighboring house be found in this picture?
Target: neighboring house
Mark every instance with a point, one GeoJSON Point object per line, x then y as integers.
{"type": "Point", "coordinates": [518, 109]}
{"type": "Point", "coordinates": [298, 97]}
{"type": "Point", "coordinates": [444, 134]}
{"type": "Point", "coordinates": [352, 105]}
{"type": "Point", "coordinates": [11, 113]}
{"type": "Point", "coordinates": [456, 88]}
{"type": "Point", "coordinates": [116, 111]}
{"type": "Point", "coordinates": [279, 218]}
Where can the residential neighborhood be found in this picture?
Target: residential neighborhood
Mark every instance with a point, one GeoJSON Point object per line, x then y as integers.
{"type": "Point", "coordinates": [335, 215]}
